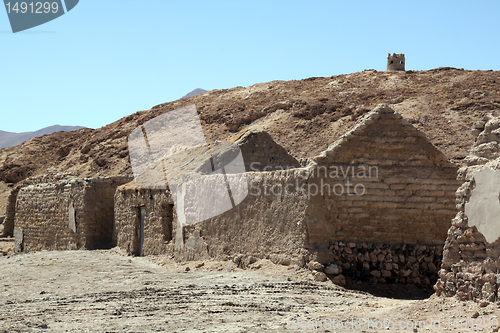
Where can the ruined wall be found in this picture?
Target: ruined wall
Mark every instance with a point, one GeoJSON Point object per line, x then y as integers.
{"type": "Point", "coordinates": [471, 265]}
{"type": "Point", "coordinates": [383, 182]}
{"type": "Point", "coordinates": [396, 62]}
{"type": "Point", "coordinates": [220, 235]}
{"type": "Point", "coordinates": [68, 214]}
{"type": "Point", "coordinates": [159, 220]}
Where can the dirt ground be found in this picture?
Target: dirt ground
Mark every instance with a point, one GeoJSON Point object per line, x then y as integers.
{"type": "Point", "coordinates": [105, 291]}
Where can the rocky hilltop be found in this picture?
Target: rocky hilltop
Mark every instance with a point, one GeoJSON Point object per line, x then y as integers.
{"type": "Point", "coordinates": [304, 116]}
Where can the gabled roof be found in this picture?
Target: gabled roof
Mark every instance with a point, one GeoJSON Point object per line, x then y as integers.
{"type": "Point", "coordinates": [259, 152]}
{"type": "Point", "coordinates": [384, 135]}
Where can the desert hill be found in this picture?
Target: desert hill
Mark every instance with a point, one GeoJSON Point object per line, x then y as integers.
{"type": "Point", "coordinates": [11, 139]}
{"type": "Point", "coordinates": [304, 116]}
{"type": "Point", "coordinates": [196, 92]}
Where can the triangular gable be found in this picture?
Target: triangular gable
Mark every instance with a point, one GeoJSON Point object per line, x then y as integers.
{"type": "Point", "coordinates": [384, 135]}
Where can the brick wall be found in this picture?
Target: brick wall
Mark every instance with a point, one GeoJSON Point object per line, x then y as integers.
{"type": "Point", "coordinates": [43, 214]}
{"type": "Point", "coordinates": [384, 182]}
{"type": "Point", "coordinates": [159, 220]}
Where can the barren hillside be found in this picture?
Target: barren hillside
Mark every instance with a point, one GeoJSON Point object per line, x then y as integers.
{"type": "Point", "coordinates": [304, 116]}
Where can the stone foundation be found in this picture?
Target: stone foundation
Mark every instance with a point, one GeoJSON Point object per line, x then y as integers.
{"type": "Point", "coordinates": [388, 263]}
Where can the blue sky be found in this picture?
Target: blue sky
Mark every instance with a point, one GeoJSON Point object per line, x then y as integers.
{"type": "Point", "coordinates": [107, 59]}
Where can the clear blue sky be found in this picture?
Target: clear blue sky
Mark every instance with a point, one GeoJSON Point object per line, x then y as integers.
{"type": "Point", "coordinates": [106, 59]}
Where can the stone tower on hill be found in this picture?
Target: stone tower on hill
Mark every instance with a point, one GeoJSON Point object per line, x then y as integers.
{"type": "Point", "coordinates": [396, 62]}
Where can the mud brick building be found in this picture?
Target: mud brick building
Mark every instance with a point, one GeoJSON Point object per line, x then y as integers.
{"type": "Point", "coordinates": [378, 202]}
{"type": "Point", "coordinates": [159, 232]}
{"type": "Point", "coordinates": [67, 214]}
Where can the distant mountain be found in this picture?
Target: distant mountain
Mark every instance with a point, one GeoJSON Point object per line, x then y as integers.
{"type": "Point", "coordinates": [10, 139]}
{"type": "Point", "coordinates": [197, 91]}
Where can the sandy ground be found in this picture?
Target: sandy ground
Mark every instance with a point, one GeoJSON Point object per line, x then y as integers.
{"type": "Point", "coordinates": [105, 291]}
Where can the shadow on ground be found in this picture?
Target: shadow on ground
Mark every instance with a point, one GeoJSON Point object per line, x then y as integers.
{"type": "Point", "coordinates": [395, 291]}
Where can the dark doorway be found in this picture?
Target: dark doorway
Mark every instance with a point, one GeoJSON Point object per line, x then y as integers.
{"type": "Point", "coordinates": [138, 237]}
{"type": "Point", "coordinates": [167, 221]}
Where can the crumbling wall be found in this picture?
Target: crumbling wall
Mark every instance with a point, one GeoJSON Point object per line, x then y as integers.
{"type": "Point", "coordinates": [159, 220]}
{"type": "Point", "coordinates": [67, 214]}
{"type": "Point", "coordinates": [383, 182]}
{"type": "Point", "coordinates": [396, 62]}
{"type": "Point", "coordinates": [471, 254]}
{"type": "Point", "coordinates": [260, 153]}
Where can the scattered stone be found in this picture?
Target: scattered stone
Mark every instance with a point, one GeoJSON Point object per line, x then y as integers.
{"type": "Point", "coordinates": [6, 251]}
{"type": "Point", "coordinates": [339, 280]}
{"type": "Point", "coordinates": [319, 276]}
{"type": "Point", "coordinates": [201, 264]}
{"type": "Point", "coordinates": [315, 266]}
{"type": "Point", "coordinates": [332, 269]}
{"type": "Point", "coordinates": [187, 269]}
{"type": "Point", "coordinates": [475, 315]}
{"type": "Point", "coordinates": [484, 304]}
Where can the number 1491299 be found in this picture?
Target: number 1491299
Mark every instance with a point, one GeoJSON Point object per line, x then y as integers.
{"type": "Point", "coordinates": [32, 7]}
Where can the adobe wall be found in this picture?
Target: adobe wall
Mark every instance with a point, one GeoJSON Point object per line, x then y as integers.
{"type": "Point", "coordinates": [68, 214]}
{"type": "Point", "coordinates": [50, 177]}
{"type": "Point", "coordinates": [158, 223]}
{"type": "Point", "coordinates": [383, 182]}
{"type": "Point", "coordinates": [42, 216]}
{"type": "Point", "coordinates": [213, 237]}
{"type": "Point", "coordinates": [471, 258]}
{"type": "Point", "coordinates": [268, 223]}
